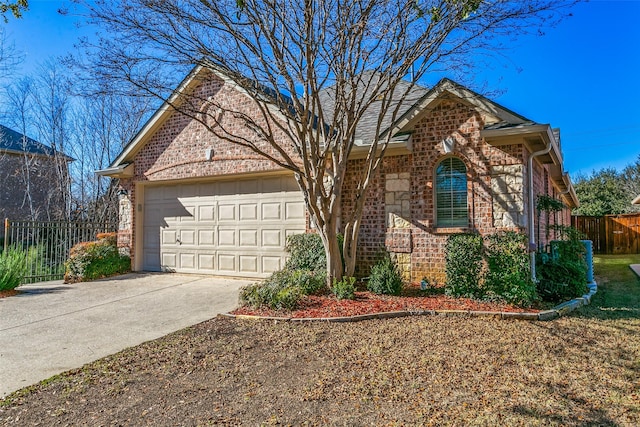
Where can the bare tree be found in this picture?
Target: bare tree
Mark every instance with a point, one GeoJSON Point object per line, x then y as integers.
{"type": "Point", "coordinates": [51, 121]}
{"type": "Point", "coordinates": [314, 71]}
{"type": "Point", "coordinates": [18, 99]}
{"type": "Point", "coordinates": [103, 123]}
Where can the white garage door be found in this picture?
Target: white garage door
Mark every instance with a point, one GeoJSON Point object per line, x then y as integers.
{"type": "Point", "coordinates": [235, 228]}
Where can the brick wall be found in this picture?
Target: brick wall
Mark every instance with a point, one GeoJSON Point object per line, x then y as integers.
{"type": "Point", "coordinates": [179, 149]}
{"type": "Point", "coordinates": [486, 166]}
{"type": "Point", "coordinates": [399, 214]}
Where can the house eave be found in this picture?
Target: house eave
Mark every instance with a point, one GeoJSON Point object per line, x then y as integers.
{"type": "Point", "coordinates": [636, 201]}
{"type": "Point", "coordinates": [124, 170]}
{"type": "Point", "coordinates": [534, 137]}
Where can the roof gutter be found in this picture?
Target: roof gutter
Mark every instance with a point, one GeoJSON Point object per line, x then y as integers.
{"type": "Point", "coordinates": [532, 234]}
{"type": "Point", "coordinates": [124, 170]}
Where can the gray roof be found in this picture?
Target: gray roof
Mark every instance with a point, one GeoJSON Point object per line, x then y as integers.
{"type": "Point", "coordinates": [11, 140]}
{"type": "Point", "coordinates": [405, 95]}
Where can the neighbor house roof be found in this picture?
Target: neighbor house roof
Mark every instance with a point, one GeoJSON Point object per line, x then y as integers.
{"type": "Point", "coordinates": [12, 141]}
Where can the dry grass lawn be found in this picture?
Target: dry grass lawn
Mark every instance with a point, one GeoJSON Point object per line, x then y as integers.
{"type": "Point", "coordinates": [583, 369]}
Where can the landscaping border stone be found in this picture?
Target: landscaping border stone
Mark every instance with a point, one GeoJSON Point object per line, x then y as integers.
{"type": "Point", "coordinates": [554, 313]}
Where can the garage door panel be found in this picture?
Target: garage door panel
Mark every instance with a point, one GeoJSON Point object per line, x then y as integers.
{"type": "Point", "coordinates": [294, 210]}
{"type": "Point", "coordinates": [249, 212]}
{"type": "Point", "coordinates": [189, 190]}
{"type": "Point", "coordinates": [189, 214]}
{"type": "Point", "coordinates": [272, 185]}
{"type": "Point", "coordinates": [248, 238]}
{"type": "Point", "coordinates": [170, 192]}
{"type": "Point", "coordinates": [206, 262]}
{"type": "Point", "coordinates": [248, 186]}
{"type": "Point", "coordinates": [226, 212]}
{"type": "Point", "coordinates": [187, 260]}
{"type": "Point", "coordinates": [271, 211]}
{"type": "Point", "coordinates": [227, 262]}
{"type": "Point", "coordinates": [206, 237]}
{"type": "Point", "coordinates": [223, 227]}
{"type": "Point", "coordinates": [271, 264]}
{"type": "Point", "coordinates": [169, 260]}
{"type": "Point", "coordinates": [187, 237]}
{"type": "Point", "coordinates": [272, 238]}
{"type": "Point", "coordinates": [227, 237]}
{"type": "Point", "coordinates": [206, 212]}
{"type": "Point", "coordinates": [248, 263]}
{"type": "Point", "coordinates": [169, 237]}
{"type": "Point", "coordinates": [227, 188]}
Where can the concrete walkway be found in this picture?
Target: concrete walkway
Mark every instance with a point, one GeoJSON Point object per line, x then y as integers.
{"type": "Point", "coordinates": [635, 268]}
{"type": "Point", "coordinates": [51, 327]}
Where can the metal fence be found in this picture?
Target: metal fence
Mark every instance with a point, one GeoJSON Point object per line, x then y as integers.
{"type": "Point", "coordinates": [49, 243]}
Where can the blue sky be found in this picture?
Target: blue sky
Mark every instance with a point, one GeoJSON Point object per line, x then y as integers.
{"type": "Point", "coordinates": [581, 76]}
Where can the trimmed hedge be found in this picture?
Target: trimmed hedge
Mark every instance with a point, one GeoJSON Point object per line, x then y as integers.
{"type": "Point", "coordinates": [463, 258]}
{"type": "Point", "coordinates": [95, 260]}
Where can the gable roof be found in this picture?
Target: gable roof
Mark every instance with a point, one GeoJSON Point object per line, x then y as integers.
{"type": "Point", "coordinates": [15, 142]}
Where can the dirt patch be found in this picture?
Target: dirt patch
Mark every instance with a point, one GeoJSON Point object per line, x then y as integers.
{"type": "Point", "coordinates": [410, 371]}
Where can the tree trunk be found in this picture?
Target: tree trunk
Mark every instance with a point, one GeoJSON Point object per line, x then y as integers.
{"type": "Point", "coordinates": [335, 270]}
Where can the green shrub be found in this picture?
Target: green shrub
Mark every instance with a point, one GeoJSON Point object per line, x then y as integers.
{"type": "Point", "coordinates": [562, 273]}
{"type": "Point", "coordinates": [508, 276]}
{"type": "Point", "coordinates": [306, 252]}
{"type": "Point", "coordinates": [463, 257]}
{"type": "Point", "coordinates": [13, 267]}
{"type": "Point", "coordinates": [280, 291]}
{"type": "Point", "coordinates": [310, 282]}
{"type": "Point", "coordinates": [345, 288]}
{"type": "Point", "coordinates": [385, 278]}
{"type": "Point", "coordinates": [94, 260]}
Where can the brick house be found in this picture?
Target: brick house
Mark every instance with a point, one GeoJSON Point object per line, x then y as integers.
{"type": "Point", "coordinates": [458, 162]}
{"type": "Point", "coordinates": [29, 171]}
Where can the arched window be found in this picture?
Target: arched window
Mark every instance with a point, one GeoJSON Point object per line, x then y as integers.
{"type": "Point", "coordinates": [451, 193]}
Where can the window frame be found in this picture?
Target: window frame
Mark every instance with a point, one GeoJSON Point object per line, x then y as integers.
{"type": "Point", "coordinates": [450, 217]}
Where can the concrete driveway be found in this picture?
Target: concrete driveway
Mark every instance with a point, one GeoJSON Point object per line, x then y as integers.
{"type": "Point", "coordinates": [51, 327]}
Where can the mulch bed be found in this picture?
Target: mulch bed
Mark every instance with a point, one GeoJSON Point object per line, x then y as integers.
{"type": "Point", "coordinates": [324, 306]}
{"type": "Point", "coordinates": [5, 294]}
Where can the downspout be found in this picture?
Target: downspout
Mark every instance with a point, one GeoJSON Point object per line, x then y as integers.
{"type": "Point", "coordinates": [532, 234]}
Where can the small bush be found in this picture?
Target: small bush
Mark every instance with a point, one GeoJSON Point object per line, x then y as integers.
{"type": "Point", "coordinates": [562, 274]}
{"type": "Point", "coordinates": [306, 252]}
{"type": "Point", "coordinates": [345, 288]}
{"type": "Point", "coordinates": [310, 282]}
{"type": "Point", "coordinates": [508, 276]}
{"type": "Point", "coordinates": [283, 289]}
{"type": "Point", "coordinates": [13, 267]}
{"type": "Point", "coordinates": [95, 260]}
{"type": "Point", "coordinates": [280, 291]}
{"type": "Point", "coordinates": [385, 278]}
{"type": "Point", "coordinates": [463, 255]}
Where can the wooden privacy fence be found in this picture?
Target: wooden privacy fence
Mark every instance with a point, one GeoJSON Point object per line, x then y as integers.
{"type": "Point", "coordinates": [611, 234]}
{"type": "Point", "coordinates": [49, 243]}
